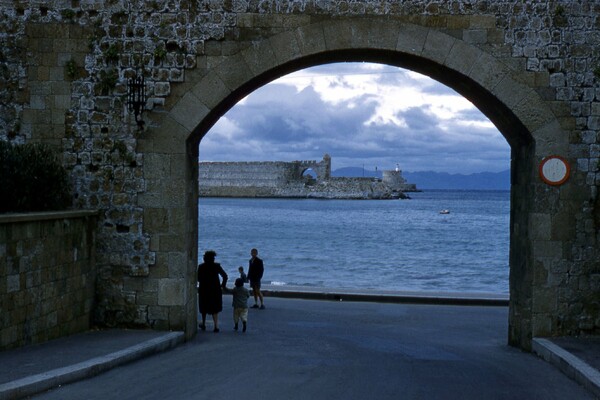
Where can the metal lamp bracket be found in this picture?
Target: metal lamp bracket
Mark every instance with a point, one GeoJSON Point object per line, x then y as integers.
{"type": "Point", "coordinates": [136, 98]}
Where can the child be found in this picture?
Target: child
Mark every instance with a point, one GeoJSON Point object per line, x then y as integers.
{"type": "Point", "coordinates": [240, 304]}
{"type": "Point", "coordinates": [243, 275]}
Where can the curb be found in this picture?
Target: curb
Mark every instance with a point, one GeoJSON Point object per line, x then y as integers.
{"type": "Point", "coordinates": [390, 298]}
{"type": "Point", "coordinates": [572, 366]}
{"type": "Point", "coordinates": [41, 382]}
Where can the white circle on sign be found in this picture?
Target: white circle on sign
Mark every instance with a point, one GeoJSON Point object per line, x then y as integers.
{"type": "Point", "coordinates": [554, 170]}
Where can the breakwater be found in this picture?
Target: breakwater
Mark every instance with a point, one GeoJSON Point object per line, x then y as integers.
{"type": "Point", "coordinates": [296, 179]}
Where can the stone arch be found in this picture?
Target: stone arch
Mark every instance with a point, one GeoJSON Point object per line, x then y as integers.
{"type": "Point", "coordinates": [322, 169]}
{"type": "Point", "coordinates": [499, 91]}
{"type": "Point", "coordinates": [308, 170]}
{"type": "Point", "coordinates": [309, 175]}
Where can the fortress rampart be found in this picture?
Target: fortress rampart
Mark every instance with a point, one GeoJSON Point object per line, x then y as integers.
{"type": "Point", "coordinates": [258, 173]}
{"type": "Point", "coordinates": [288, 179]}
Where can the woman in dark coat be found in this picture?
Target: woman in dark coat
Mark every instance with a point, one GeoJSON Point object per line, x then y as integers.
{"type": "Point", "coordinates": [210, 295]}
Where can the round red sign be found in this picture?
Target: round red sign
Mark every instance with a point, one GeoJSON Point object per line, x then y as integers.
{"type": "Point", "coordinates": [554, 170]}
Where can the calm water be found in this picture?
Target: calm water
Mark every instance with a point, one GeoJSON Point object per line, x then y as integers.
{"type": "Point", "coordinates": [387, 245]}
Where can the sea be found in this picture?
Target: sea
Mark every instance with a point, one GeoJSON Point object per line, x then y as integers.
{"type": "Point", "coordinates": [386, 245]}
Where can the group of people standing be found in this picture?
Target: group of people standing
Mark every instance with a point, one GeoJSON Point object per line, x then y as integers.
{"type": "Point", "coordinates": [211, 288]}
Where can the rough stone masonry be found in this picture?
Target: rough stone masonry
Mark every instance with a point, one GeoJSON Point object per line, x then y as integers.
{"type": "Point", "coordinates": [532, 67]}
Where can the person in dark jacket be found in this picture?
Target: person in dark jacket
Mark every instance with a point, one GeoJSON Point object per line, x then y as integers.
{"type": "Point", "coordinates": [255, 274]}
{"type": "Point", "coordinates": [210, 289]}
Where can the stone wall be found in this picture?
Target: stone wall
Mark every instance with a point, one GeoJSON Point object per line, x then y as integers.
{"type": "Point", "coordinates": [286, 180]}
{"type": "Point", "coordinates": [258, 174]}
{"type": "Point", "coordinates": [531, 67]}
{"type": "Point", "coordinates": [238, 174]}
{"type": "Point", "coordinates": [47, 275]}
{"type": "Point", "coordinates": [333, 188]}
{"type": "Point", "coordinates": [344, 188]}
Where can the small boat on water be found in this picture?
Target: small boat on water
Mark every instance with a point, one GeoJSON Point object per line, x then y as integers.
{"type": "Point", "coordinates": [445, 211]}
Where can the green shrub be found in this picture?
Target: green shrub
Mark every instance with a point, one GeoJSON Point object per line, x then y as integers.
{"type": "Point", "coordinates": [32, 179]}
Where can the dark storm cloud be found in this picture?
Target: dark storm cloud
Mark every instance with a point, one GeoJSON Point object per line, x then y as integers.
{"type": "Point", "coordinates": [418, 120]}
{"type": "Point", "coordinates": [342, 115]}
{"type": "Point", "coordinates": [279, 114]}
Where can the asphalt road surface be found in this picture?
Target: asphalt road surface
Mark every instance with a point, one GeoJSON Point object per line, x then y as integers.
{"type": "Point", "coordinates": [311, 350]}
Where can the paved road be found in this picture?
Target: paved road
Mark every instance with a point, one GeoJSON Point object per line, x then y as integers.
{"type": "Point", "coordinates": [310, 349]}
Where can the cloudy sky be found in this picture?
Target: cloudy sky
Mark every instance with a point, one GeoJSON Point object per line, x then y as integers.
{"type": "Point", "coordinates": [361, 114]}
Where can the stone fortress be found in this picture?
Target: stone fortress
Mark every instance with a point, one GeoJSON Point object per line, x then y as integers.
{"type": "Point", "coordinates": [292, 180]}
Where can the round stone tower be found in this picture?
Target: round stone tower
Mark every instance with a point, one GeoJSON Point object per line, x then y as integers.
{"type": "Point", "coordinates": [393, 179]}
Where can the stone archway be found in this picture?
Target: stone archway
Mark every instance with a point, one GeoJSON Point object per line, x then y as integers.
{"type": "Point", "coordinates": [516, 109]}
{"type": "Point", "coordinates": [531, 68]}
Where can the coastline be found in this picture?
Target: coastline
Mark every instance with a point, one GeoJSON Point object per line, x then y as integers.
{"type": "Point", "coordinates": [387, 296]}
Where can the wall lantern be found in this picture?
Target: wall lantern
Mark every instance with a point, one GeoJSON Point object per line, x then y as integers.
{"type": "Point", "coordinates": [136, 98]}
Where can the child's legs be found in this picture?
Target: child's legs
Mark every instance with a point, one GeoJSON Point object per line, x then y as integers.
{"type": "Point", "coordinates": [244, 314]}
{"type": "Point", "coordinates": [237, 314]}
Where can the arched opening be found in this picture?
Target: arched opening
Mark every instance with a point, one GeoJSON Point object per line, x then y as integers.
{"type": "Point", "coordinates": [408, 247]}
{"type": "Point", "coordinates": [503, 118]}
{"type": "Point", "coordinates": [514, 108]}
{"type": "Point", "coordinates": [309, 176]}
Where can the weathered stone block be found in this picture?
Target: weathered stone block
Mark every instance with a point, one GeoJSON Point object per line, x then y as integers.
{"type": "Point", "coordinates": [385, 34]}
{"type": "Point", "coordinates": [437, 46]}
{"type": "Point", "coordinates": [179, 164]}
{"type": "Point", "coordinates": [171, 292]}
{"type": "Point", "coordinates": [155, 220]}
{"type": "Point", "coordinates": [463, 57]}
{"type": "Point", "coordinates": [162, 89]}
{"type": "Point", "coordinates": [13, 283]}
{"type": "Point", "coordinates": [158, 313]}
{"type": "Point", "coordinates": [488, 71]}
{"type": "Point", "coordinates": [211, 90]}
{"type": "Point", "coordinates": [510, 92]}
{"type": "Point", "coordinates": [563, 226]}
{"type": "Point", "coordinates": [285, 46]}
{"type": "Point", "coordinates": [531, 109]}
{"type": "Point", "coordinates": [177, 318]}
{"type": "Point", "coordinates": [157, 165]}
{"type": "Point", "coordinates": [311, 39]}
{"type": "Point", "coordinates": [541, 325]}
{"type": "Point", "coordinates": [547, 249]}
{"type": "Point", "coordinates": [260, 58]}
{"type": "Point", "coordinates": [540, 226]}
{"type": "Point", "coordinates": [169, 243]}
{"type": "Point", "coordinates": [475, 36]}
{"type": "Point", "coordinates": [133, 284]}
{"type": "Point", "coordinates": [544, 301]}
{"type": "Point", "coordinates": [178, 266]}
{"type": "Point", "coordinates": [189, 111]}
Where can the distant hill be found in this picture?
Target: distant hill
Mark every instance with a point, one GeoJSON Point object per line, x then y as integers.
{"type": "Point", "coordinates": [440, 180]}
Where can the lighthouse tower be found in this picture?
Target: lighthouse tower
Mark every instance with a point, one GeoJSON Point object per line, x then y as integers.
{"type": "Point", "coordinates": [394, 179]}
